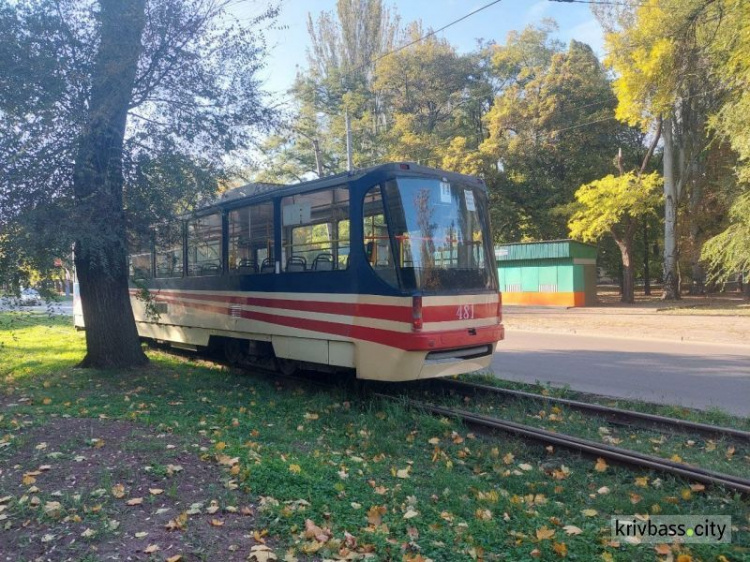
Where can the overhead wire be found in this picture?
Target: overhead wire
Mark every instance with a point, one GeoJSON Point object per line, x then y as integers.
{"type": "Point", "coordinates": [464, 17]}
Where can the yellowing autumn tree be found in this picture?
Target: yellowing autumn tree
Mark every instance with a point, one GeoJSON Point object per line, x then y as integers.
{"type": "Point", "coordinates": [665, 81]}
{"type": "Point", "coordinates": [614, 205]}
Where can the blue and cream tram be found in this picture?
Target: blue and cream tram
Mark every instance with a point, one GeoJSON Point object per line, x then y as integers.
{"type": "Point", "coordinates": [388, 270]}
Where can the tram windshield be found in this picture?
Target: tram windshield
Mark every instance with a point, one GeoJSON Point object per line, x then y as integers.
{"type": "Point", "coordinates": [440, 234]}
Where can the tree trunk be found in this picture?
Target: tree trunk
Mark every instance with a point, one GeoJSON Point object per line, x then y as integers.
{"type": "Point", "coordinates": [628, 275]}
{"type": "Point", "coordinates": [101, 254]}
{"type": "Point", "coordinates": [671, 289]}
{"type": "Point", "coordinates": [698, 281]}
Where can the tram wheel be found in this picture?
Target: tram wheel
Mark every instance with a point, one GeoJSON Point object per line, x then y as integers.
{"type": "Point", "coordinates": [235, 352]}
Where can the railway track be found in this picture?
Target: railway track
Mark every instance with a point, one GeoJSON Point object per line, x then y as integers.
{"type": "Point", "coordinates": [569, 442]}
{"type": "Point", "coordinates": [613, 415]}
{"type": "Point", "coordinates": [585, 446]}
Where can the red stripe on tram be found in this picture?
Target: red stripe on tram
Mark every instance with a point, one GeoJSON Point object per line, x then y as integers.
{"type": "Point", "coordinates": [401, 340]}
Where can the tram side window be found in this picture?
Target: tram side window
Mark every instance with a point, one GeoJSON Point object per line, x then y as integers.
{"type": "Point", "coordinates": [315, 231]}
{"type": "Point", "coordinates": [251, 235]}
{"type": "Point", "coordinates": [168, 247]}
{"type": "Point", "coordinates": [204, 245]}
{"type": "Point", "coordinates": [139, 260]}
{"type": "Point", "coordinates": [377, 242]}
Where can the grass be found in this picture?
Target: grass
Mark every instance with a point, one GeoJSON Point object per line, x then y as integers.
{"type": "Point", "coordinates": [722, 455]}
{"type": "Point", "coordinates": [373, 477]}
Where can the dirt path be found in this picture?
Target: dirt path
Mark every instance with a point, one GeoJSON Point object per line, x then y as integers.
{"type": "Point", "coordinates": [694, 319]}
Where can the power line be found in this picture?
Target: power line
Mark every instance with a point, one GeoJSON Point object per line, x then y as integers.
{"type": "Point", "coordinates": [427, 35]}
{"type": "Point", "coordinates": [598, 2]}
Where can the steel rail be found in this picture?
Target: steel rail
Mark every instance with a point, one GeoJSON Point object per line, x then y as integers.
{"type": "Point", "coordinates": [586, 446]}
{"type": "Point", "coordinates": [617, 454]}
{"type": "Point", "coordinates": [627, 416]}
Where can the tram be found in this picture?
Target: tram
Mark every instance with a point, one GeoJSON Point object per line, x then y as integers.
{"type": "Point", "coordinates": [389, 271]}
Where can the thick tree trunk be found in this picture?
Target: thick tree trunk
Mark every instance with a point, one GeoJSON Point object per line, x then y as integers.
{"type": "Point", "coordinates": [628, 275]}
{"type": "Point", "coordinates": [671, 290]}
{"type": "Point", "coordinates": [101, 255]}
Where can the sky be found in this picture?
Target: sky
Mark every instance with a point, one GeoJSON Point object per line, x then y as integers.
{"type": "Point", "coordinates": [288, 40]}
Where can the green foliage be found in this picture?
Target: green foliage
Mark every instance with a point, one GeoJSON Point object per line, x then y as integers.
{"type": "Point", "coordinates": [730, 54]}
{"type": "Point", "coordinates": [194, 102]}
{"type": "Point", "coordinates": [729, 252]}
{"type": "Point", "coordinates": [605, 205]}
{"type": "Point", "coordinates": [551, 130]}
{"type": "Point", "coordinates": [339, 79]}
{"type": "Point", "coordinates": [423, 88]}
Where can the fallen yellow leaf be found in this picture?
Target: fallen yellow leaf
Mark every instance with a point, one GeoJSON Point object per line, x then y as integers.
{"type": "Point", "coordinates": [403, 473]}
{"type": "Point", "coordinates": [135, 501]}
{"type": "Point", "coordinates": [601, 465]}
{"type": "Point", "coordinates": [544, 533]}
{"type": "Point", "coordinates": [375, 514]}
{"type": "Point", "coordinates": [53, 509]}
{"type": "Point", "coordinates": [261, 553]}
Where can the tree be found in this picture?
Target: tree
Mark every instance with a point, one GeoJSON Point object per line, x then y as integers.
{"type": "Point", "coordinates": [728, 253]}
{"type": "Point", "coordinates": [614, 205]}
{"type": "Point", "coordinates": [424, 88]}
{"type": "Point", "coordinates": [338, 81]}
{"type": "Point", "coordinates": [99, 102]}
{"type": "Point", "coordinates": [551, 130]}
{"type": "Point", "coordinates": [665, 76]}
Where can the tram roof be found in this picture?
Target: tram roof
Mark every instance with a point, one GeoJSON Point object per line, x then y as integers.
{"type": "Point", "coordinates": [256, 191]}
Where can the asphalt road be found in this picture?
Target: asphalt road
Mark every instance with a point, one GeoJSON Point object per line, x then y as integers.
{"type": "Point", "coordinates": [687, 374]}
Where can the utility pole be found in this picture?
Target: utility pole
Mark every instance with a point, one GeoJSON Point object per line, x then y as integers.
{"type": "Point", "coordinates": [348, 141]}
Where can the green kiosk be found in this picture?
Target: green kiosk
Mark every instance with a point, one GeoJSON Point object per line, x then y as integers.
{"type": "Point", "coordinates": [551, 273]}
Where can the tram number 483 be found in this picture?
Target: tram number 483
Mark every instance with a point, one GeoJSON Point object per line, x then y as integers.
{"type": "Point", "coordinates": [465, 312]}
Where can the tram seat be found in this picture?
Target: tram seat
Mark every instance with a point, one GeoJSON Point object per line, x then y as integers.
{"type": "Point", "coordinates": [323, 262]}
{"type": "Point", "coordinates": [296, 263]}
{"type": "Point", "coordinates": [208, 269]}
{"type": "Point", "coordinates": [247, 266]}
{"type": "Point", "coordinates": [267, 266]}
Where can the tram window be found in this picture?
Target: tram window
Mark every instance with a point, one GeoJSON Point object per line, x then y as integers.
{"type": "Point", "coordinates": [139, 260]}
{"type": "Point", "coordinates": [316, 231]}
{"type": "Point", "coordinates": [376, 239]}
{"type": "Point", "coordinates": [251, 237]}
{"type": "Point", "coordinates": [204, 246]}
{"type": "Point", "coordinates": [168, 247]}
